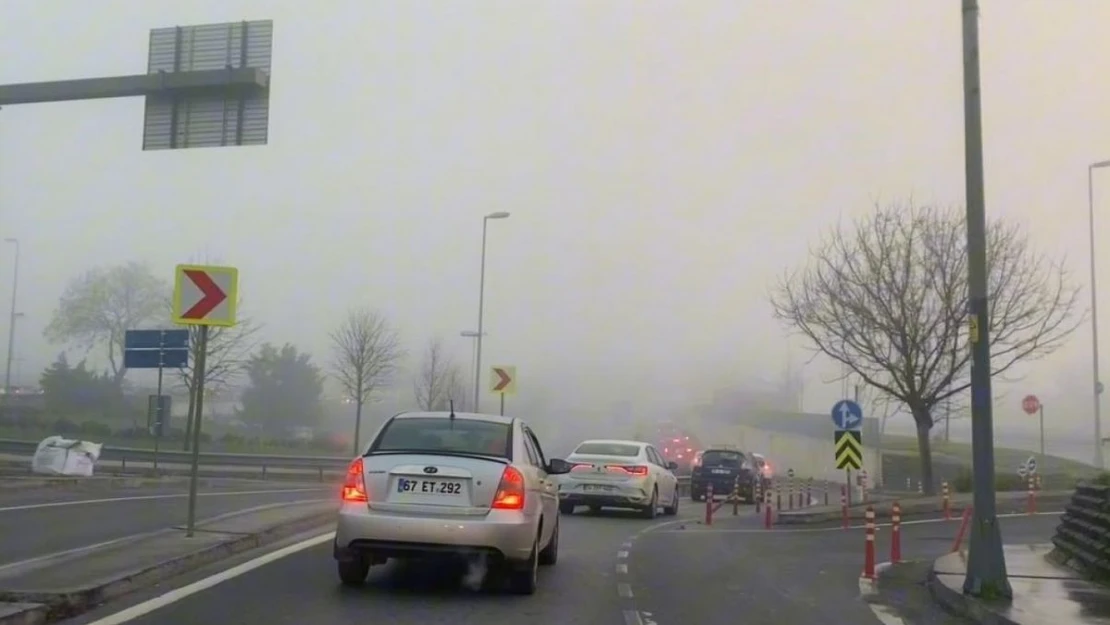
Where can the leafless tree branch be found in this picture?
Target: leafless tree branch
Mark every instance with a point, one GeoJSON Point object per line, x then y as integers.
{"type": "Point", "coordinates": [439, 383]}
{"type": "Point", "coordinates": [887, 297]}
{"type": "Point", "coordinates": [367, 351]}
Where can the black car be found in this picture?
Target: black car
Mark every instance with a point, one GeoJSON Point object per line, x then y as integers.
{"type": "Point", "coordinates": [725, 469]}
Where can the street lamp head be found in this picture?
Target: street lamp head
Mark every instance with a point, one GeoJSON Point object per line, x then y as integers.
{"type": "Point", "coordinates": [498, 215]}
{"type": "Point", "coordinates": [11, 240]}
{"type": "Point", "coordinates": [1100, 164]}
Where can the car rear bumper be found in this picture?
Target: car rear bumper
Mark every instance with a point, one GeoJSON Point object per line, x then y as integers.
{"type": "Point", "coordinates": [617, 497]}
{"type": "Point", "coordinates": [500, 533]}
{"type": "Point", "coordinates": [721, 487]}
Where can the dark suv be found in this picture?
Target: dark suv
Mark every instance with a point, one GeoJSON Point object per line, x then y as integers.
{"type": "Point", "coordinates": [724, 469]}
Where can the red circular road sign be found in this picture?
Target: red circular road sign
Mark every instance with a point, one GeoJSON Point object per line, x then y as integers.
{"type": "Point", "coordinates": [1030, 404]}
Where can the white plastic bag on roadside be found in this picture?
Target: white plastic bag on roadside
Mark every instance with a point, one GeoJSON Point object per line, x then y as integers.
{"type": "Point", "coordinates": [63, 456]}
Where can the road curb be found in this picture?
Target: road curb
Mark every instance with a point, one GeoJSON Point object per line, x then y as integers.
{"type": "Point", "coordinates": [48, 607]}
{"type": "Point", "coordinates": [960, 604]}
{"type": "Point", "coordinates": [910, 509]}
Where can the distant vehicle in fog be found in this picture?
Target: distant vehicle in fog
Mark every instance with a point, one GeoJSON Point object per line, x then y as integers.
{"type": "Point", "coordinates": [677, 445]}
{"type": "Point", "coordinates": [619, 474]}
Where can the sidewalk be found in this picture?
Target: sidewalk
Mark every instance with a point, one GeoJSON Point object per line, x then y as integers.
{"type": "Point", "coordinates": [46, 589]}
{"type": "Point", "coordinates": [1044, 593]}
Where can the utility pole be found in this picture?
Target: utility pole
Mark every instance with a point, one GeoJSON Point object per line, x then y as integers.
{"type": "Point", "coordinates": [986, 564]}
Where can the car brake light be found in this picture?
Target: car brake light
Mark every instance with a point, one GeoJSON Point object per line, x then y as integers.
{"type": "Point", "coordinates": [510, 492]}
{"type": "Point", "coordinates": [631, 470]}
{"type": "Point", "coordinates": [354, 485]}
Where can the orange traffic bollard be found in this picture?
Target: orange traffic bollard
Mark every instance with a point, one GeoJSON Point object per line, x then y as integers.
{"type": "Point", "coordinates": [947, 502]}
{"type": "Point", "coordinates": [963, 529]}
{"type": "Point", "coordinates": [844, 507]}
{"type": "Point", "coordinates": [895, 533]}
{"type": "Point", "coordinates": [869, 544]}
{"type": "Point", "coordinates": [709, 504]}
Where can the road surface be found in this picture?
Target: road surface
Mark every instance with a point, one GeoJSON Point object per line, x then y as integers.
{"type": "Point", "coordinates": [614, 569]}
{"type": "Point", "coordinates": [35, 523]}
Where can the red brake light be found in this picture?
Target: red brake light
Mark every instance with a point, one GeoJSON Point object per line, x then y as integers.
{"type": "Point", "coordinates": [510, 492]}
{"type": "Point", "coordinates": [631, 470]}
{"type": "Point", "coordinates": [354, 486]}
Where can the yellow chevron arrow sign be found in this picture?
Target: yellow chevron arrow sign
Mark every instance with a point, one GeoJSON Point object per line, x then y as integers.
{"type": "Point", "coordinates": [848, 445]}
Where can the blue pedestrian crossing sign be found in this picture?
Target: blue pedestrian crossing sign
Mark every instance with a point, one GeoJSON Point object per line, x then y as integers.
{"type": "Point", "coordinates": [847, 415]}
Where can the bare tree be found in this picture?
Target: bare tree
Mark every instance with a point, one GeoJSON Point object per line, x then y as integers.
{"type": "Point", "coordinates": [367, 352]}
{"type": "Point", "coordinates": [887, 297]}
{"type": "Point", "coordinates": [228, 351]}
{"type": "Point", "coordinates": [439, 383]}
{"type": "Point", "coordinates": [456, 389]}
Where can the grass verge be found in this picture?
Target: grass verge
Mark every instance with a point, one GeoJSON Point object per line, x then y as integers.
{"type": "Point", "coordinates": [1005, 458]}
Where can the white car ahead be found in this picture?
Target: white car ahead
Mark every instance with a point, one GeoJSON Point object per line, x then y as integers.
{"type": "Point", "coordinates": [619, 474]}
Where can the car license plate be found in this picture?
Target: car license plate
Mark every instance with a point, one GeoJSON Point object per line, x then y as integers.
{"type": "Point", "coordinates": [593, 488]}
{"type": "Point", "coordinates": [428, 487]}
{"type": "Point", "coordinates": [720, 471]}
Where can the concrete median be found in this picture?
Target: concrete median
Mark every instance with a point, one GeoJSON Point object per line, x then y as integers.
{"type": "Point", "coordinates": [50, 589]}
{"type": "Point", "coordinates": [915, 507]}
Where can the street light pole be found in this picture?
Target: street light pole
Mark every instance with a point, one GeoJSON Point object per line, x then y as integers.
{"type": "Point", "coordinates": [471, 334]}
{"type": "Point", "coordinates": [1097, 384]}
{"type": "Point", "coordinates": [986, 564]}
{"type": "Point", "coordinates": [11, 321]}
{"type": "Point", "coordinates": [481, 305]}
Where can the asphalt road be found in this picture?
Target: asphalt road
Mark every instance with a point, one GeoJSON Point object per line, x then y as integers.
{"type": "Point", "coordinates": [614, 569]}
{"type": "Point", "coordinates": [35, 523]}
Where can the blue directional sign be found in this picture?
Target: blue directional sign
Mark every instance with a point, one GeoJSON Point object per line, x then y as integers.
{"type": "Point", "coordinates": [155, 349]}
{"type": "Point", "coordinates": [847, 415]}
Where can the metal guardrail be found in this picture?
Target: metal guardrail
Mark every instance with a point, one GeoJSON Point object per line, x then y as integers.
{"type": "Point", "coordinates": [318, 464]}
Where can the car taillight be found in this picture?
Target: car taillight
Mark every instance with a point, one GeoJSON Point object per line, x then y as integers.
{"type": "Point", "coordinates": [510, 492]}
{"type": "Point", "coordinates": [354, 485]}
{"type": "Point", "coordinates": [631, 470]}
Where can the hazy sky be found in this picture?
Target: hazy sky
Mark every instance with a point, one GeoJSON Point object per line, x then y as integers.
{"type": "Point", "coordinates": [662, 160]}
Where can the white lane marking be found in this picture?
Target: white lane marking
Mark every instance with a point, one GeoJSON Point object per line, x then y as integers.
{"type": "Point", "coordinates": [178, 594]}
{"type": "Point", "coordinates": [799, 530]}
{"type": "Point", "coordinates": [869, 589]}
{"type": "Point", "coordinates": [622, 554]}
{"type": "Point", "coordinates": [622, 569]}
{"type": "Point", "coordinates": [82, 502]}
{"type": "Point", "coordinates": [626, 544]}
{"type": "Point", "coordinates": [632, 617]}
{"type": "Point", "coordinates": [624, 590]}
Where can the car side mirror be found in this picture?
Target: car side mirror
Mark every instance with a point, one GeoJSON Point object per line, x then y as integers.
{"type": "Point", "coordinates": [672, 466]}
{"type": "Point", "coordinates": [558, 466]}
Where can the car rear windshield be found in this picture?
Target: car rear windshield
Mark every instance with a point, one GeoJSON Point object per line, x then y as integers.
{"type": "Point", "coordinates": [440, 434]}
{"type": "Point", "coordinates": [722, 459]}
{"type": "Point", "coordinates": [608, 449]}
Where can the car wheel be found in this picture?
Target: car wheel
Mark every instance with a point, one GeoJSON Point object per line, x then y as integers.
{"type": "Point", "coordinates": [566, 508]}
{"type": "Point", "coordinates": [672, 509]}
{"type": "Point", "coordinates": [550, 553]}
{"type": "Point", "coordinates": [653, 507]}
{"type": "Point", "coordinates": [523, 580]}
{"type": "Point", "coordinates": [353, 572]}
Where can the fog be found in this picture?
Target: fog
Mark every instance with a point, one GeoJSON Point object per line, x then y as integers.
{"type": "Point", "coordinates": [663, 162]}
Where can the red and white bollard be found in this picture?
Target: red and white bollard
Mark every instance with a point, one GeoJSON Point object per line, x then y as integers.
{"type": "Point", "coordinates": [709, 504]}
{"type": "Point", "coordinates": [963, 529]}
{"type": "Point", "coordinates": [844, 507]}
{"type": "Point", "coordinates": [826, 492]}
{"type": "Point", "coordinates": [869, 544]}
{"type": "Point", "coordinates": [758, 492]}
{"type": "Point", "coordinates": [736, 496]}
{"type": "Point", "coordinates": [809, 493]}
{"type": "Point", "coordinates": [767, 514]}
{"type": "Point", "coordinates": [1031, 503]}
{"type": "Point", "coordinates": [895, 533]}
{"type": "Point", "coordinates": [946, 501]}
{"type": "Point", "coordinates": [778, 494]}
{"type": "Point", "coordinates": [790, 491]}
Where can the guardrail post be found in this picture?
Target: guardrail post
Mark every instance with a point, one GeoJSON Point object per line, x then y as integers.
{"type": "Point", "coordinates": [263, 471]}
{"type": "Point", "coordinates": [895, 533]}
{"type": "Point", "coordinates": [869, 544]}
{"type": "Point", "coordinates": [321, 473]}
{"type": "Point", "coordinates": [123, 463]}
